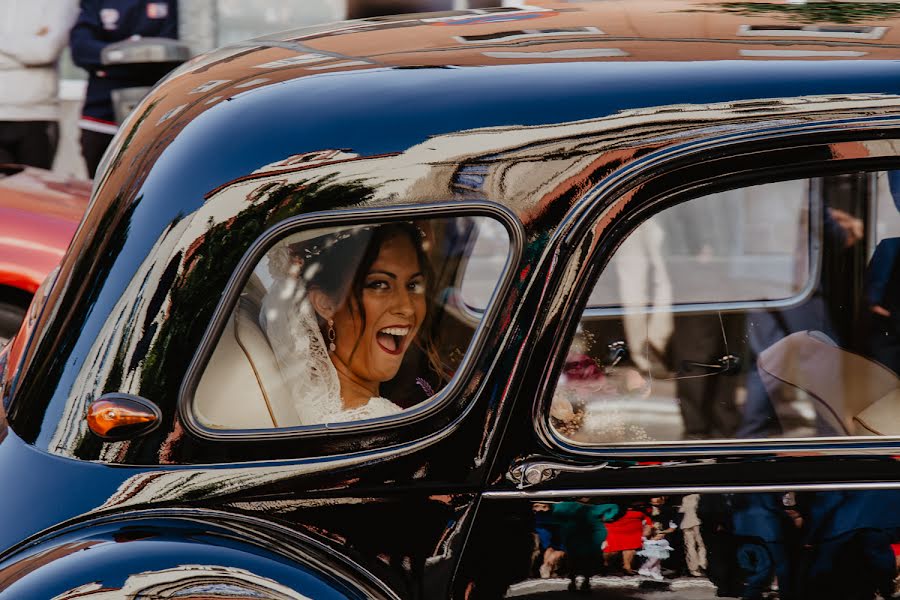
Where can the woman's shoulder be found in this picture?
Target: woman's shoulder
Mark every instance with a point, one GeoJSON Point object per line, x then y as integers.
{"type": "Point", "coordinates": [374, 408]}
{"type": "Point", "coordinates": [383, 405]}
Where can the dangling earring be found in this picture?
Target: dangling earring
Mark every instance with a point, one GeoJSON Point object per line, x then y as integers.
{"type": "Point", "coordinates": [331, 335]}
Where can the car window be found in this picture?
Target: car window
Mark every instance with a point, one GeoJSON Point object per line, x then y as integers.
{"type": "Point", "coordinates": [745, 245]}
{"type": "Point", "coordinates": [770, 311]}
{"type": "Point", "coordinates": [352, 323]}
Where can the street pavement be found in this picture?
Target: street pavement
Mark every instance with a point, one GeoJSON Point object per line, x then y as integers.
{"type": "Point", "coordinates": [616, 587]}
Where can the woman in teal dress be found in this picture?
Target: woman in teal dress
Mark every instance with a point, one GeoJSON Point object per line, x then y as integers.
{"type": "Point", "coordinates": [583, 532]}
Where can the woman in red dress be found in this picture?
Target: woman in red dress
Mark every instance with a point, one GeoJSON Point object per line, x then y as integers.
{"type": "Point", "coordinates": [625, 535]}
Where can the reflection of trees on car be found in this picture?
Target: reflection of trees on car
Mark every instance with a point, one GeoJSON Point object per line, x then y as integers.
{"type": "Point", "coordinates": [212, 260]}
{"type": "Point", "coordinates": [821, 12]}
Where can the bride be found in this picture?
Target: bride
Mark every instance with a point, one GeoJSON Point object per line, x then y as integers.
{"type": "Point", "coordinates": [342, 314]}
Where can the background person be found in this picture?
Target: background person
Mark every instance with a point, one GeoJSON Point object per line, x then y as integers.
{"type": "Point", "coordinates": [32, 35]}
{"type": "Point", "coordinates": [100, 23]}
{"type": "Point", "coordinates": [625, 536]}
{"type": "Point", "coordinates": [694, 548]}
{"type": "Point", "coordinates": [583, 531]}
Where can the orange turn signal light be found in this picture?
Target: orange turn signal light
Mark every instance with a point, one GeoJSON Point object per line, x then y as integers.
{"type": "Point", "coordinates": [120, 416]}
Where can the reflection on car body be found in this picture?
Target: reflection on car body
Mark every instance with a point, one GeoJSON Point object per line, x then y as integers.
{"type": "Point", "coordinates": [455, 306]}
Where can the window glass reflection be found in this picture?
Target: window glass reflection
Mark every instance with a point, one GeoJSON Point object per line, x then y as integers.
{"type": "Point", "coordinates": [761, 312]}
{"type": "Point", "coordinates": [349, 324]}
{"type": "Point", "coordinates": [782, 544]}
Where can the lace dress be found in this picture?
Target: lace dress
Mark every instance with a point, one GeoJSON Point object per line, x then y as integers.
{"type": "Point", "coordinates": [374, 408]}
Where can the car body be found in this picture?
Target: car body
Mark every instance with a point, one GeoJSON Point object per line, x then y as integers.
{"type": "Point", "coordinates": [40, 212]}
{"type": "Point", "coordinates": [567, 125]}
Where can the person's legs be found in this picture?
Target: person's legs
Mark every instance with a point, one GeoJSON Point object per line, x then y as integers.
{"type": "Point", "coordinates": [627, 560]}
{"type": "Point", "coordinates": [823, 578]}
{"type": "Point", "coordinates": [37, 146]}
{"type": "Point", "coordinates": [756, 562]}
{"type": "Point", "coordinates": [652, 568]}
{"type": "Point", "coordinates": [879, 568]}
{"type": "Point", "coordinates": [692, 545]}
{"type": "Point", "coordinates": [93, 145]}
{"type": "Point", "coordinates": [784, 570]}
{"type": "Point", "coordinates": [8, 141]}
{"type": "Point", "coordinates": [29, 142]}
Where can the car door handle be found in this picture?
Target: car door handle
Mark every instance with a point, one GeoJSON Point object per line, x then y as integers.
{"type": "Point", "coordinates": [724, 365]}
{"type": "Point", "coordinates": [529, 473]}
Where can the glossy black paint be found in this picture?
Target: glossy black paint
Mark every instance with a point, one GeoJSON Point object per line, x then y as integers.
{"type": "Point", "coordinates": [244, 554]}
{"type": "Point", "coordinates": [180, 204]}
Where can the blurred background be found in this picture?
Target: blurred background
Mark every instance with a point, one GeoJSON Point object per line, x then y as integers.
{"type": "Point", "coordinates": [207, 24]}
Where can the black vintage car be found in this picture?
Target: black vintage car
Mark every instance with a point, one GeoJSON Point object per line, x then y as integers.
{"type": "Point", "coordinates": [570, 298]}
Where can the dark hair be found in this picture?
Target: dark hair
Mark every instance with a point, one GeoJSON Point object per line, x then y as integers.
{"type": "Point", "coordinates": [326, 261]}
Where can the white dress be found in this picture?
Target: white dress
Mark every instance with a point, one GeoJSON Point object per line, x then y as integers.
{"type": "Point", "coordinates": [374, 408]}
{"type": "Point", "coordinates": [293, 331]}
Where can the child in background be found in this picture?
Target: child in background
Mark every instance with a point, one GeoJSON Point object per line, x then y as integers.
{"type": "Point", "coordinates": [656, 547]}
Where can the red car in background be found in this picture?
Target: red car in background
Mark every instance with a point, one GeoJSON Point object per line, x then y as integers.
{"type": "Point", "coordinates": [39, 212]}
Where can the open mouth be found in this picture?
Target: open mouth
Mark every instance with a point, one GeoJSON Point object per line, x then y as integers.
{"type": "Point", "coordinates": [391, 338]}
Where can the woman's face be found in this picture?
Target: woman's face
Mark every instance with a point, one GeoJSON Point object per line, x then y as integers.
{"type": "Point", "coordinates": [393, 297]}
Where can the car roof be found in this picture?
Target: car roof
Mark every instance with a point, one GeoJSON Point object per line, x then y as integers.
{"type": "Point", "coordinates": [416, 110]}
{"type": "Point", "coordinates": [377, 87]}
{"type": "Point", "coordinates": [621, 30]}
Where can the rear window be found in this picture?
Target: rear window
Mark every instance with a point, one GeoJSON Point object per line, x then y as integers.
{"type": "Point", "coordinates": [348, 324]}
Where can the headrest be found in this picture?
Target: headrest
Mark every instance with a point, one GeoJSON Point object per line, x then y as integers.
{"type": "Point", "coordinates": [841, 383]}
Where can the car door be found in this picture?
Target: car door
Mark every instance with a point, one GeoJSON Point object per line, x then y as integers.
{"type": "Point", "coordinates": [715, 415]}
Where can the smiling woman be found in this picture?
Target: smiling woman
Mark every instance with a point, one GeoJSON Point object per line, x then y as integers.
{"type": "Point", "coordinates": [370, 316]}
{"type": "Point", "coordinates": [344, 324]}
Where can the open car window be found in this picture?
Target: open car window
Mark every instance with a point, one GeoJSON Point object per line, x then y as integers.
{"type": "Point", "coordinates": [347, 324]}
{"type": "Point", "coordinates": [770, 311]}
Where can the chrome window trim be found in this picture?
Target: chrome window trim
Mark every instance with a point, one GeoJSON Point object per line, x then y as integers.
{"type": "Point", "coordinates": [609, 193]}
{"type": "Point", "coordinates": [674, 490]}
{"type": "Point", "coordinates": [350, 217]}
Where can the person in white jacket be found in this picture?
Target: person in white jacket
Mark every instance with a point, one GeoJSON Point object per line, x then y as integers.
{"type": "Point", "coordinates": [32, 35]}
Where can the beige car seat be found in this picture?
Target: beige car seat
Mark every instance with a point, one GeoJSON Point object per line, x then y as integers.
{"type": "Point", "coordinates": [242, 386]}
{"type": "Point", "coordinates": [852, 394]}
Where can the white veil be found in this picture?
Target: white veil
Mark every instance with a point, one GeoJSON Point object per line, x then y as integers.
{"type": "Point", "coordinates": [293, 330]}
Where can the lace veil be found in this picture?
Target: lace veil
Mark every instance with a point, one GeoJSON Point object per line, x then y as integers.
{"type": "Point", "coordinates": [300, 351]}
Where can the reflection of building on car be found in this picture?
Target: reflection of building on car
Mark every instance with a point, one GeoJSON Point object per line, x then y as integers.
{"type": "Point", "coordinates": [434, 307]}
{"type": "Point", "coordinates": [39, 212]}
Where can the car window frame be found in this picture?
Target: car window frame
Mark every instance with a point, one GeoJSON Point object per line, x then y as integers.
{"type": "Point", "coordinates": [814, 241]}
{"type": "Point", "coordinates": [607, 195]}
{"type": "Point", "coordinates": [349, 218]}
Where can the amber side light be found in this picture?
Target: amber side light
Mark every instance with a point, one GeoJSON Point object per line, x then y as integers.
{"type": "Point", "coordinates": [121, 416]}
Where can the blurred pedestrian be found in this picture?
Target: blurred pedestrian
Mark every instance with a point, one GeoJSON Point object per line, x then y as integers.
{"type": "Point", "coordinates": [551, 549]}
{"type": "Point", "coordinates": [32, 35]}
{"type": "Point", "coordinates": [625, 536]}
{"type": "Point", "coordinates": [762, 525]}
{"type": "Point", "coordinates": [717, 528]}
{"type": "Point", "coordinates": [100, 23]}
{"type": "Point", "coordinates": [583, 532]}
{"type": "Point", "coordinates": [656, 548]}
{"type": "Point", "coordinates": [694, 549]}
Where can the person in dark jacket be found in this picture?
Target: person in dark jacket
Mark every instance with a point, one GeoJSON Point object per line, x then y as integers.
{"type": "Point", "coordinates": [849, 536]}
{"type": "Point", "coordinates": [100, 23]}
{"type": "Point", "coordinates": [762, 526]}
{"type": "Point", "coordinates": [883, 295]}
